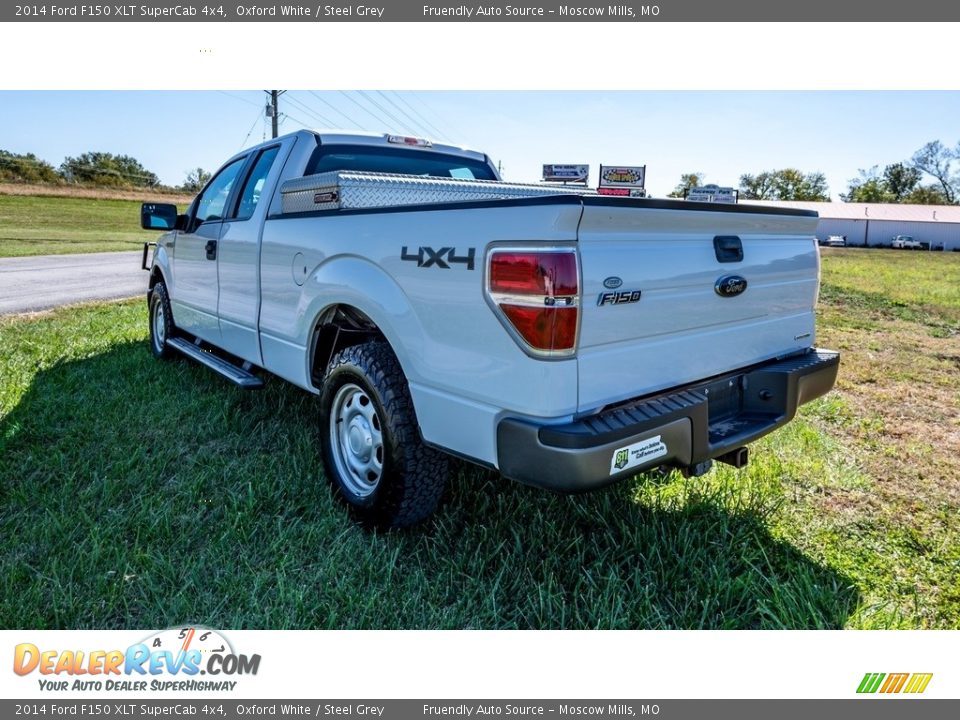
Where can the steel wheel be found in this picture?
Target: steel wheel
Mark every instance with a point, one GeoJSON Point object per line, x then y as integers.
{"type": "Point", "coordinates": [159, 325]}
{"type": "Point", "coordinates": [373, 452]}
{"type": "Point", "coordinates": [160, 322]}
{"type": "Point", "coordinates": [356, 439]}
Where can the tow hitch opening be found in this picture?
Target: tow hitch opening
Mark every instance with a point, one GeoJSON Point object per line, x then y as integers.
{"type": "Point", "coordinates": [738, 458]}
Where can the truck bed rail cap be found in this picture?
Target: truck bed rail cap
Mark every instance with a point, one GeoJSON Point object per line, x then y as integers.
{"type": "Point", "coordinates": [657, 204]}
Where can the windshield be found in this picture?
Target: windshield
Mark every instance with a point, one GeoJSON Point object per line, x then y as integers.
{"type": "Point", "coordinates": [396, 160]}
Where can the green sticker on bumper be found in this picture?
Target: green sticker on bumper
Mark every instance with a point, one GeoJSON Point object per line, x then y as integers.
{"type": "Point", "coordinates": [639, 453]}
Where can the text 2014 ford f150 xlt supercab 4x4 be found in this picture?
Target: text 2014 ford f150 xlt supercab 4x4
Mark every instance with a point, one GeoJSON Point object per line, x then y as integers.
{"type": "Point", "coordinates": [564, 338]}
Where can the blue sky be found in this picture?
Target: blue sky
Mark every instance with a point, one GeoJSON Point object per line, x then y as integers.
{"type": "Point", "coordinates": [722, 134]}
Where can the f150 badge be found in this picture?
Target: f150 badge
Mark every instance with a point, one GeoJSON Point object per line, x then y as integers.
{"type": "Point", "coordinates": [428, 257]}
{"type": "Point", "coordinates": [618, 297]}
{"type": "Point", "coordinates": [730, 285]}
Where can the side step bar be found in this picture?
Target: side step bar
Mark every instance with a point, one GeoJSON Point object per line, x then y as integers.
{"type": "Point", "coordinates": [233, 373]}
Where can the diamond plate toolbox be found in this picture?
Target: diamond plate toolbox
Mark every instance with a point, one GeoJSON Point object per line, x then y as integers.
{"type": "Point", "coordinates": [341, 189]}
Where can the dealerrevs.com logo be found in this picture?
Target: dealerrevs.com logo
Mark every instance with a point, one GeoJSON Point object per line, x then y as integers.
{"type": "Point", "coordinates": [170, 660]}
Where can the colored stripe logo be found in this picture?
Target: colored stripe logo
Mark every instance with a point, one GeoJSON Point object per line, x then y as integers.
{"type": "Point", "coordinates": [913, 683]}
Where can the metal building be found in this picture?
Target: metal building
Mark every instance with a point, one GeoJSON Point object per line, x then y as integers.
{"type": "Point", "coordinates": [876, 224]}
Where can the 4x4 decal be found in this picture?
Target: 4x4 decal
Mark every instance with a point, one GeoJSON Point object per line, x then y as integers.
{"type": "Point", "coordinates": [442, 258]}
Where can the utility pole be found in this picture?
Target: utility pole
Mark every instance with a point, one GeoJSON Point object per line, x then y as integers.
{"type": "Point", "coordinates": [273, 112]}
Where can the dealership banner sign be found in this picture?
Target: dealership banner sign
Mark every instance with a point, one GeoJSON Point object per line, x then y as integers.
{"type": "Point", "coordinates": [713, 193]}
{"type": "Point", "coordinates": [566, 173]}
{"type": "Point", "coordinates": [626, 180]}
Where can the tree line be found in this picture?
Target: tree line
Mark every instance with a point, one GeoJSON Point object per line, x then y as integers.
{"type": "Point", "coordinates": [930, 177]}
{"type": "Point", "coordinates": [99, 169]}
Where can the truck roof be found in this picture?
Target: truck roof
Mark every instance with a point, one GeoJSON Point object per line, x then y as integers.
{"type": "Point", "coordinates": [360, 137]}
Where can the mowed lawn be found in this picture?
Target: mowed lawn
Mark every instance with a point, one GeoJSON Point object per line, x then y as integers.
{"type": "Point", "coordinates": [42, 225]}
{"type": "Point", "coordinates": [139, 493]}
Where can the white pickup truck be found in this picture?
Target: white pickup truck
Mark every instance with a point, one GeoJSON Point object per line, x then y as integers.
{"type": "Point", "coordinates": [563, 338]}
{"type": "Point", "coordinates": [905, 242]}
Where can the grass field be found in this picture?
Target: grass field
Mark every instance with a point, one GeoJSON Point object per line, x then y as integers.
{"type": "Point", "coordinates": [145, 494]}
{"type": "Point", "coordinates": [43, 225]}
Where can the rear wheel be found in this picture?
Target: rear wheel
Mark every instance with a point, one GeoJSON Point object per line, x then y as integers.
{"type": "Point", "coordinates": [161, 322]}
{"type": "Point", "coordinates": [372, 449]}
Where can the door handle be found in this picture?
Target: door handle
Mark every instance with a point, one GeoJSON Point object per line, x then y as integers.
{"type": "Point", "coordinates": [211, 248]}
{"type": "Point", "coordinates": [728, 248]}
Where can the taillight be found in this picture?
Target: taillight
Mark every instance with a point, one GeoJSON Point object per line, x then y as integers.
{"type": "Point", "coordinates": [538, 295]}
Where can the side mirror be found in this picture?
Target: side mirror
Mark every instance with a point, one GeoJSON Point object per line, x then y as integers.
{"type": "Point", "coordinates": [158, 216]}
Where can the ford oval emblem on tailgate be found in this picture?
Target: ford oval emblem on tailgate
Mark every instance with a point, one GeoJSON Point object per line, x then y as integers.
{"type": "Point", "coordinates": [612, 282]}
{"type": "Point", "coordinates": [730, 285]}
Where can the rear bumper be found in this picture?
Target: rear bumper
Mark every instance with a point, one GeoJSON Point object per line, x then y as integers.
{"type": "Point", "coordinates": [681, 427]}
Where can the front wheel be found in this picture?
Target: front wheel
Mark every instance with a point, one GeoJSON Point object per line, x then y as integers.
{"type": "Point", "coordinates": [161, 322]}
{"type": "Point", "coordinates": [372, 449]}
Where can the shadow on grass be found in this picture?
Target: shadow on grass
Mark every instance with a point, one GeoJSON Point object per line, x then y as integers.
{"type": "Point", "coordinates": [144, 494]}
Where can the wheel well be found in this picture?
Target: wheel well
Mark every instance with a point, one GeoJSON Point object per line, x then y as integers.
{"type": "Point", "coordinates": [155, 277]}
{"type": "Point", "coordinates": [339, 326]}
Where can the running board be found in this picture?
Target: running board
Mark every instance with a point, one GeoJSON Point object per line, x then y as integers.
{"type": "Point", "coordinates": [233, 373]}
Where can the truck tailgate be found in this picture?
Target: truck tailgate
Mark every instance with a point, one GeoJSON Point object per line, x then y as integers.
{"type": "Point", "coordinates": [681, 329]}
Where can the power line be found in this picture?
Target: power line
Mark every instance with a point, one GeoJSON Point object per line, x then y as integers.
{"type": "Point", "coordinates": [237, 97]}
{"type": "Point", "coordinates": [417, 113]}
{"type": "Point", "coordinates": [435, 113]}
{"type": "Point", "coordinates": [296, 119]}
{"type": "Point", "coordinates": [417, 126]}
{"type": "Point", "coordinates": [255, 121]}
{"type": "Point", "coordinates": [368, 112]}
{"type": "Point", "coordinates": [400, 125]}
{"type": "Point", "coordinates": [309, 111]}
{"type": "Point", "coordinates": [337, 110]}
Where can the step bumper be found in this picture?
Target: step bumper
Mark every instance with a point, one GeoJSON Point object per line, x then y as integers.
{"type": "Point", "coordinates": [680, 428]}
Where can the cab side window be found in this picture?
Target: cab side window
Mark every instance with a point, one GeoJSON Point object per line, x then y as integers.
{"type": "Point", "coordinates": [213, 201]}
{"type": "Point", "coordinates": [253, 188]}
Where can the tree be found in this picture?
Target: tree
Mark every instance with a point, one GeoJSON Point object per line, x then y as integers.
{"type": "Point", "coordinates": [786, 184]}
{"type": "Point", "coordinates": [869, 187]}
{"type": "Point", "coordinates": [901, 180]}
{"type": "Point", "coordinates": [899, 184]}
{"type": "Point", "coordinates": [870, 191]}
{"type": "Point", "coordinates": [936, 160]}
{"type": "Point", "coordinates": [100, 168]}
{"type": "Point", "coordinates": [757, 187]}
{"type": "Point", "coordinates": [926, 195]}
{"type": "Point", "coordinates": [687, 182]}
{"type": "Point", "coordinates": [196, 179]}
{"type": "Point", "coordinates": [26, 168]}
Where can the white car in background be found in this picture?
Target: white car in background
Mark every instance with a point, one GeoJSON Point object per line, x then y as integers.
{"type": "Point", "coordinates": [834, 241]}
{"type": "Point", "coordinates": [905, 242]}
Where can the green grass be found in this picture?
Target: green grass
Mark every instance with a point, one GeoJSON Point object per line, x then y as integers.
{"type": "Point", "coordinates": [31, 225]}
{"type": "Point", "coordinates": [140, 493]}
{"type": "Point", "coordinates": [907, 284]}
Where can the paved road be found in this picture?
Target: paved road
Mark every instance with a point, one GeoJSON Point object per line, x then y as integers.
{"type": "Point", "coordinates": [39, 283]}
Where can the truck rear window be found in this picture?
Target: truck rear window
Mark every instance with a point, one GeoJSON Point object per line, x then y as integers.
{"type": "Point", "coordinates": [396, 160]}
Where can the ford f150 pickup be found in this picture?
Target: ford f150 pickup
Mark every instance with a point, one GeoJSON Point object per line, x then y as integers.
{"type": "Point", "coordinates": [563, 338]}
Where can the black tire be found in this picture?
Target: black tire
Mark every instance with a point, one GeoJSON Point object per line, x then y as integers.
{"type": "Point", "coordinates": [161, 322]}
{"type": "Point", "coordinates": [372, 448]}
